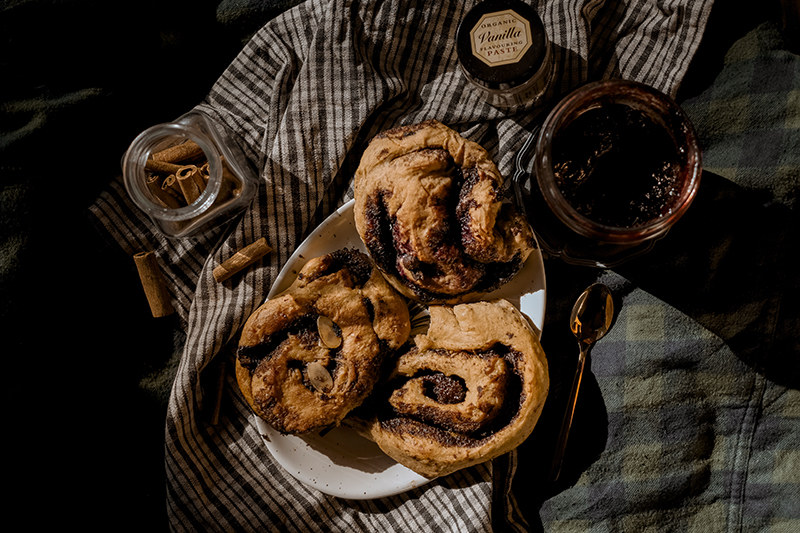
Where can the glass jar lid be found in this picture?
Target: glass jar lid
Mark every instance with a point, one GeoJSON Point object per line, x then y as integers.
{"type": "Point", "coordinates": [501, 44]}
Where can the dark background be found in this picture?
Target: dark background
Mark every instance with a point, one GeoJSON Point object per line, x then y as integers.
{"type": "Point", "coordinates": [87, 367]}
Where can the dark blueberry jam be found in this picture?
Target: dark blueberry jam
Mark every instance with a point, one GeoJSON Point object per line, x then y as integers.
{"type": "Point", "coordinates": [617, 167]}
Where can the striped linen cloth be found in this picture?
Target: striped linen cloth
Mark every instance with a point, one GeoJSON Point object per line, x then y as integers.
{"type": "Point", "coordinates": [302, 98]}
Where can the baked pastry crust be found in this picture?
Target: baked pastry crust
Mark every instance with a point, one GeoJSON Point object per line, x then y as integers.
{"type": "Point", "coordinates": [421, 419]}
{"type": "Point", "coordinates": [429, 209]}
{"type": "Point", "coordinates": [282, 353]}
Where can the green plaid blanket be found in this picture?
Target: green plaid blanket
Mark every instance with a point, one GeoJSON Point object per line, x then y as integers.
{"type": "Point", "coordinates": [691, 418]}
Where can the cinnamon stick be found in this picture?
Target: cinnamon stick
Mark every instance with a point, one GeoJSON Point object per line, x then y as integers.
{"type": "Point", "coordinates": [204, 172]}
{"type": "Point", "coordinates": [155, 288]}
{"type": "Point", "coordinates": [161, 166]}
{"type": "Point", "coordinates": [163, 197]}
{"type": "Point", "coordinates": [179, 152]}
{"type": "Point", "coordinates": [171, 187]}
{"type": "Point", "coordinates": [188, 179]}
{"type": "Point", "coordinates": [242, 259]}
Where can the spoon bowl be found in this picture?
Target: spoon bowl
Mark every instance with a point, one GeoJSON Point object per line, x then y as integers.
{"type": "Point", "coordinates": [590, 319]}
{"type": "Point", "coordinates": [592, 314]}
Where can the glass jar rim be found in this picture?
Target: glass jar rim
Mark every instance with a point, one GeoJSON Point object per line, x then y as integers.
{"type": "Point", "coordinates": [590, 96]}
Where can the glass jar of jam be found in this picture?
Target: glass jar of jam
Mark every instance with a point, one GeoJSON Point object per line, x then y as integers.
{"type": "Point", "coordinates": [504, 51]}
{"type": "Point", "coordinates": [187, 175]}
{"type": "Point", "coordinates": [616, 164]}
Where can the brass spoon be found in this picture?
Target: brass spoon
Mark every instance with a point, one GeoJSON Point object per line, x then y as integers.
{"type": "Point", "coordinates": [590, 319]}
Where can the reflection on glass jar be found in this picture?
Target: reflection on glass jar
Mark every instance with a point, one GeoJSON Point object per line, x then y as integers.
{"type": "Point", "coordinates": [616, 164]}
{"type": "Point", "coordinates": [187, 175]}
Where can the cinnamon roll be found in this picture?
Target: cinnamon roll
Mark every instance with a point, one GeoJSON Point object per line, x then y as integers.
{"type": "Point", "coordinates": [430, 211]}
{"type": "Point", "coordinates": [469, 390]}
{"type": "Point", "coordinates": [311, 354]}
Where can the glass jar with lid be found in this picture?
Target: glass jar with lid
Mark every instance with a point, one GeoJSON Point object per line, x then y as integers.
{"type": "Point", "coordinates": [613, 167]}
{"type": "Point", "coordinates": [504, 51]}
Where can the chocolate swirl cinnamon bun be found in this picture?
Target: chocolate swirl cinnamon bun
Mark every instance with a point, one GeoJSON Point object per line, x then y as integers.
{"type": "Point", "coordinates": [429, 209]}
{"type": "Point", "coordinates": [311, 354]}
{"type": "Point", "coordinates": [470, 389]}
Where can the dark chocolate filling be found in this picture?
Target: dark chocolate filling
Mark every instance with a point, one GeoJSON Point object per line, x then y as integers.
{"type": "Point", "coordinates": [304, 327]}
{"type": "Point", "coordinates": [389, 250]}
{"type": "Point", "coordinates": [444, 389]}
{"type": "Point", "coordinates": [407, 426]}
{"type": "Point", "coordinates": [379, 228]}
{"type": "Point", "coordinates": [350, 259]}
{"type": "Point", "coordinates": [436, 427]}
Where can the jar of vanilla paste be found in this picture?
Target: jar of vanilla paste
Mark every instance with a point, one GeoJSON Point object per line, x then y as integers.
{"type": "Point", "coordinates": [504, 51]}
{"type": "Point", "coordinates": [188, 175]}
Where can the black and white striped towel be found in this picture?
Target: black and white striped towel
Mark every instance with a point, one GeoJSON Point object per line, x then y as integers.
{"type": "Point", "coordinates": [304, 96]}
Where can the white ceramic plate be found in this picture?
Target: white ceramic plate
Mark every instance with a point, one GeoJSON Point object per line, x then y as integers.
{"type": "Point", "coordinates": [342, 463]}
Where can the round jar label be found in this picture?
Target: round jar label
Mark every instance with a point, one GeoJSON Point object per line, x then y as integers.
{"type": "Point", "coordinates": [500, 38]}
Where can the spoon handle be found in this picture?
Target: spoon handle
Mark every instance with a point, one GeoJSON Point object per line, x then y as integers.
{"type": "Point", "coordinates": [561, 445]}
